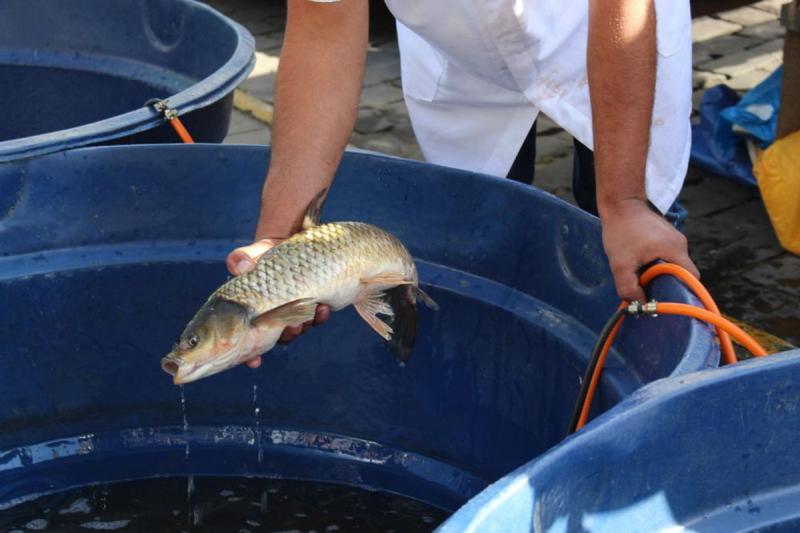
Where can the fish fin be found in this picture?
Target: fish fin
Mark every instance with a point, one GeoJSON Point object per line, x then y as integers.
{"type": "Point", "coordinates": [386, 279]}
{"type": "Point", "coordinates": [369, 306]}
{"type": "Point", "coordinates": [403, 321]}
{"type": "Point", "coordinates": [399, 328]}
{"type": "Point", "coordinates": [289, 314]}
{"type": "Point", "coordinates": [427, 300]}
{"type": "Point", "coordinates": [314, 210]}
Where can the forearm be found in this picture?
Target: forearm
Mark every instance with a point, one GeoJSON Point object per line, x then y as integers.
{"type": "Point", "coordinates": [622, 70]}
{"type": "Point", "coordinates": [316, 102]}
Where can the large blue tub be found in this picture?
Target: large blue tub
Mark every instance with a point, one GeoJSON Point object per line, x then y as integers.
{"type": "Point", "coordinates": [79, 72]}
{"type": "Point", "coordinates": [105, 253]}
{"type": "Point", "coordinates": [712, 451]}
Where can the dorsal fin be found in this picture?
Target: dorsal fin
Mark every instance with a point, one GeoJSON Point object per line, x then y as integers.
{"type": "Point", "coordinates": [314, 211]}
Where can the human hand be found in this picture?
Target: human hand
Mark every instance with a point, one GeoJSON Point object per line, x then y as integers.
{"type": "Point", "coordinates": [243, 260]}
{"type": "Point", "coordinates": [633, 236]}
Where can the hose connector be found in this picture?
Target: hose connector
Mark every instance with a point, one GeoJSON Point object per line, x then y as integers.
{"type": "Point", "coordinates": [634, 308]}
{"type": "Point", "coordinates": [650, 308]}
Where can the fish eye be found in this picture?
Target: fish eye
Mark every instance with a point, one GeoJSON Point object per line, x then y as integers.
{"type": "Point", "coordinates": [192, 341]}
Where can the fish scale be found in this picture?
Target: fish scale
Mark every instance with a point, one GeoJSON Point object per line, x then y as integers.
{"type": "Point", "coordinates": [317, 258]}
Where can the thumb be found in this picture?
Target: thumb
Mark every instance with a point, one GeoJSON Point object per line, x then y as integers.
{"type": "Point", "coordinates": [243, 259]}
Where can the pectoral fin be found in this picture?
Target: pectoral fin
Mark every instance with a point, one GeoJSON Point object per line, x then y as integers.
{"type": "Point", "coordinates": [289, 314]}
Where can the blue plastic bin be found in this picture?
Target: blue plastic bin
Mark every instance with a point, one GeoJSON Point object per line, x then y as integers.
{"type": "Point", "coordinates": [79, 72]}
{"type": "Point", "coordinates": [711, 451]}
{"type": "Point", "coordinates": [107, 252]}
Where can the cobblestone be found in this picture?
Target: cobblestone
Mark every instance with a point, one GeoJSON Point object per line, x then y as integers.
{"type": "Point", "coordinates": [706, 28]}
{"type": "Point", "coordinates": [721, 46]}
{"type": "Point", "coordinates": [746, 16]}
{"type": "Point", "coordinates": [767, 56]}
{"type": "Point", "coordinates": [748, 80]}
{"type": "Point", "coordinates": [766, 31]}
{"type": "Point", "coordinates": [771, 6]}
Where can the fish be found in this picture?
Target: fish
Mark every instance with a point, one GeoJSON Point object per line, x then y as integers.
{"type": "Point", "coordinates": [336, 263]}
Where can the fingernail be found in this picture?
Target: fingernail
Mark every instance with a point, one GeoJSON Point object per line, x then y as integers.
{"type": "Point", "coordinates": [242, 266]}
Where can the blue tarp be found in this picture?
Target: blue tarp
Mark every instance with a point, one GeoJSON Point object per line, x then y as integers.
{"type": "Point", "coordinates": [717, 145]}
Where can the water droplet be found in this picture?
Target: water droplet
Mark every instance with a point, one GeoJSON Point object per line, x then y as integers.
{"type": "Point", "coordinates": [197, 515]}
{"type": "Point", "coordinates": [264, 502]}
{"type": "Point", "coordinates": [257, 414]}
{"type": "Point", "coordinates": [189, 488]}
{"type": "Point", "coordinates": [185, 423]}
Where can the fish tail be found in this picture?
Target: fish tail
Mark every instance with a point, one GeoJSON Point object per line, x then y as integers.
{"type": "Point", "coordinates": [403, 320]}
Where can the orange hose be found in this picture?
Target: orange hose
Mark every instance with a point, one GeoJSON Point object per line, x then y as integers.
{"type": "Point", "coordinates": [177, 125]}
{"type": "Point", "coordinates": [601, 361]}
{"type": "Point", "coordinates": [701, 314]}
{"type": "Point", "coordinates": [725, 328]}
{"type": "Point", "coordinates": [726, 345]}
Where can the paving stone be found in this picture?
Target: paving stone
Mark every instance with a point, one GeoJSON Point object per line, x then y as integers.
{"type": "Point", "coordinates": [262, 136]}
{"type": "Point", "coordinates": [553, 146]}
{"type": "Point", "coordinates": [733, 239]}
{"type": "Point", "coordinates": [244, 123]}
{"type": "Point", "coordinates": [545, 125]}
{"type": "Point", "coordinates": [771, 6]}
{"type": "Point", "coordinates": [381, 66]}
{"type": "Point", "coordinates": [712, 194]}
{"type": "Point", "coordinates": [765, 307]}
{"type": "Point", "coordinates": [697, 97]}
{"type": "Point", "coordinates": [748, 80]}
{"type": "Point", "coordinates": [705, 28]}
{"type": "Point", "coordinates": [371, 121]}
{"type": "Point", "coordinates": [555, 177]}
{"type": "Point", "coordinates": [705, 80]}
{"type": "Point", "coordinates": [767, 56]}
{"type": "Point", "coordinates": [721, 46]}
{"type": "Point", "coordinates": [380, 95]}
{"type": "Point", "coordinates": [746, 16]}
{"type": "Point", "coordinates": [269, 43]}
{"type": "Point", "coordinates": [782, 271]}
{"type": "Point", "coordinates": [765, 31]}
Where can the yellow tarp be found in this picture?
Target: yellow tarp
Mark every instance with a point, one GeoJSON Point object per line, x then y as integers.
{"type": "Point", "coordinates": [778, 172]}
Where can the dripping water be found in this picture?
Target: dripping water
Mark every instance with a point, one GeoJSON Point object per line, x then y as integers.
{"type": "Point", "coordinates": [257, 414]}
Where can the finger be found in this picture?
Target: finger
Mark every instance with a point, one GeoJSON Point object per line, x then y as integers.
{"type": "Point", "coordinates": [322, 314]}
{"type": "Point", "coordinates": [243, 259]}
{"type": "Point", "coordinates": [254, 362]}
{"type": "Point", "coordinates": [286, 337]}
{"type": "Point", "coordinates": [627, 283]}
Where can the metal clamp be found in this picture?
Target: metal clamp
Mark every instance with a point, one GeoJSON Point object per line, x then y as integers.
{"type": "Point", "coordinates": [637, 309]}
{"type": "Point", "coordinates": [162, 107]}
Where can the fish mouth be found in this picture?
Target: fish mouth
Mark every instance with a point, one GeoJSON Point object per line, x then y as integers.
{"type": "Point", "coordinates": [177, 368]}
{"type": "Point", "coordinates": [183, 371]}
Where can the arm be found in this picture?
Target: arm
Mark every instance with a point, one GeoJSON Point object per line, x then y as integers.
{"type": "Point", "coordinates": [621, 60]}
{"type": "Point", "coordinates": [316, 103]}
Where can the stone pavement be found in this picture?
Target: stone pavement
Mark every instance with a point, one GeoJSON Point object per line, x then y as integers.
{"type": "Point", "coordinates": [729, 232]}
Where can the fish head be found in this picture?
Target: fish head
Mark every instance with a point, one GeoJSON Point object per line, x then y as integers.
{"type": "Point", "coordinates": [213, 341]}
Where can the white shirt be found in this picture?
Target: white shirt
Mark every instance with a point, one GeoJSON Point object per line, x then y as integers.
{"type": "Point", "coordinates": [476, 73]}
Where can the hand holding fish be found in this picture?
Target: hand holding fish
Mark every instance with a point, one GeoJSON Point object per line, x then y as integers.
{"type": "Point", "coordinates": [242, 260]}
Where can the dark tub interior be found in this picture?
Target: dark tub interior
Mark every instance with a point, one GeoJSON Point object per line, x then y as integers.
{"type": "Point", "coordinates": [69, 64]}
{"type": "Point", "coordinates": [107, 252]}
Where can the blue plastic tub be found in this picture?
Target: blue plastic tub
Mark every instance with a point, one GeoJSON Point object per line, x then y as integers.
{"type": "Point", "coordinates": [105, 253]}
{"type": "Point", "coordinates": [79, 72]}
{"type": "Point", "coordinates": [712, 451]}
